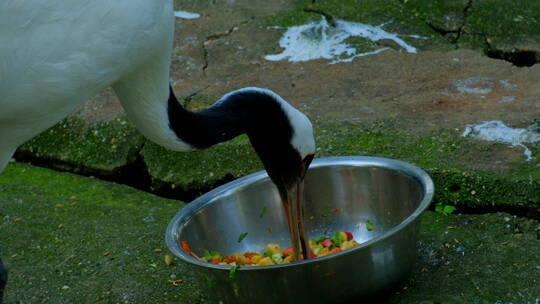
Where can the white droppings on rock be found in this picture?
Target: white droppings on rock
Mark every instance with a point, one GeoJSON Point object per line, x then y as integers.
{"type": "Point", "coordinates": [506, 99]}
{"type": "Point", "coordinates": [497, 131]}
{"type": "Point", "coordinates": [186, 15]}
{"type": "Point", "coordinates": [473, 85]}
{"type": "Point", "coordinates": [507, 84]}
{"type": "Point", "coordinates": [319, 40]}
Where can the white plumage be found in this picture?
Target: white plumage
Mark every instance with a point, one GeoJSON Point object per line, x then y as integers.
{"type": "Point", "coordinates": [56, 54]}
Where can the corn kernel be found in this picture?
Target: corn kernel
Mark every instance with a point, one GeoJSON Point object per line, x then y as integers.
{"type": "Point", "coordinates": [265, 261]}
{"type": "Point", "coordinates": [256, 258]}
{"type": "Point", "coordinates": [273, 248]}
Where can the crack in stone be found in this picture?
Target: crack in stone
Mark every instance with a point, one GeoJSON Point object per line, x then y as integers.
{"type": "Point", "coordinates": [517, 56]}
{"type": "Point", "coordinates": [521, 57]}
{"type": "Point", "coordinates": [136, 174]}
{"type": "Point", "coordinates": [205, 59]}
{"type": "Point", "coordinates": [444, 32]}
{"type": "Point", "coordinates": [458, 32]}
{"type": "Point", "coordinates": [329, 18]}
{"type": "Point", "coordinates": [189, 98]}
{"type": "Point", "coordinates": [466, 12]}
{"type": "Point", "coordinates": [209, 39]}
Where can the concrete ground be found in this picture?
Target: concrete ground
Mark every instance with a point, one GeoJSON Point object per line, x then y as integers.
{"type": "Point", "coordinates": [475, 61]}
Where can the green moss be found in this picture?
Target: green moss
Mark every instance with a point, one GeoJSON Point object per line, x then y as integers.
{"type": "Point", "coordinates": [196, 171]}
{"type": "Point", "coordinates": [362, 44]}
{"type": "Point", "coordinates": [487, 258]}
{"type": "Point", "coordinates": [71, 239]}
{"type": "Point", "coordinates": [451, 160]}
{"type": "Point", "coordinates": [446, 15]}
{"type": "Point", "coordinates": [505, 21]}
{"type": "Point", "coordinates": [446, 23]}
{"type": "Point", "coordinates": [459, 166]}
{"type": "Point", "coordinates": [445, 155]}
{"type": "Point", "coordinates": [392, 15]}
{"type": "Point", "coordinates": [292, 18]}
{"type": "Point", "coordinates": [104, 147]}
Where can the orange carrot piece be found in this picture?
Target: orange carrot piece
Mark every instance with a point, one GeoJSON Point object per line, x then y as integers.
{"type": "Point", "coordinates": [186, 248]}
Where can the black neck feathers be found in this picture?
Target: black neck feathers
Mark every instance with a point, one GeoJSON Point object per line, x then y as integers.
{"type": "Point", "coordinates": [252, 111]}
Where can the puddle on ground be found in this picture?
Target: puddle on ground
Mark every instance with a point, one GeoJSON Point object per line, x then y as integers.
{"type": "Point", "coordinates": [497, 131]}
{"type": "Point", "coordinates": [318, 40]}
{"type": "Point", "coordinates": [186, 15]}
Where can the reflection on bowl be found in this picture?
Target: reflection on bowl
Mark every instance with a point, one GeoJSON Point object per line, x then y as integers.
{"type": "Point", "coordinates": [342, 193]}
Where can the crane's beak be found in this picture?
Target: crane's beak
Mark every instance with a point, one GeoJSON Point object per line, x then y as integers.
{"type": "Point", "coordinates": [296, 204]}
{"type": "Point", "coordinates": [305, 165]}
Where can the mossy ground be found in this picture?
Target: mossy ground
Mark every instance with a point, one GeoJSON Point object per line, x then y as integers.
{"type": "Point", "coordinates": [489, 258]}
{"type": "Point", "coordinates": [453, 162]}
{"type": "Point", "coordinates": [196, 171]}
{"type": "Point", "coordinates": [462, 168]}
{"type": "Point", "coordinates": [450, 159]}
{"type": "Point", "coordinates": [71, 144]}
{"type": "Point", "coordinates": [71, 239]}
{"type": "Point", "coordinates": [448, 24]}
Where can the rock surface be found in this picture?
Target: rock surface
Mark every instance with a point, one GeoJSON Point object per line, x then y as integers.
{"type": "Point", "coordinates": [383, 103]}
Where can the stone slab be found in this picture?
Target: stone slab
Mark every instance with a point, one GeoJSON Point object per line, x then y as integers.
{"type": "Point", "coordinates": [428, 97]}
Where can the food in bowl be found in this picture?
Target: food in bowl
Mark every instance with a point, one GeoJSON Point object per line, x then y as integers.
{"type": "Point", "coordinates": [273, 253]}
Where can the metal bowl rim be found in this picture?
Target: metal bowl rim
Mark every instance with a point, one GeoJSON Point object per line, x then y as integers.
{"type": "Point", "coordinates": [187, 212]}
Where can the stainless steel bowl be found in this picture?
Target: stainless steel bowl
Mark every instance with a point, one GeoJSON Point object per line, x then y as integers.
{"type": "Point", "coordinates": [341, 193]}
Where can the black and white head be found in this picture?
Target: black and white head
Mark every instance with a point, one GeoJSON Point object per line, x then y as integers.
{"type": "Point", "coordinates": [281, 135]}
{"type": "Point", "coordinates": [284, 141]}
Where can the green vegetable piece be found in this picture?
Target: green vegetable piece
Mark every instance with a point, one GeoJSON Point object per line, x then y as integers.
{"type": "Point", "coordinates": [337, 239]}
{"type": "Point", "coordinates": [444, 209]}
{"type": "Point", "coordinates": [449, 209]}
{"type": "Point", "coordinates": [210, 254]}
{"type": "Point", "coordinates": [242, 236]}
{"type": "Point", "coordinates": [267, 254]}
{"type": "Point", "coordinates": [277, 257]}
{"type": "Point", "coordinates": [232, 272]}
{"type": "Point", "coordinates": [370, 226]}
{"type": "Point", "coordinates": [263, 212]}
{"type": "Point", "coordinates": [319, 239]}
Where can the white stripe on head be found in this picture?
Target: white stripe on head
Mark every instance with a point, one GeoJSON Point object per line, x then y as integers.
{"type": "Point", "coordinates": [302, 139]}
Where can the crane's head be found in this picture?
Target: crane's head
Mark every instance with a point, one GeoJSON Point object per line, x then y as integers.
{"type": "Point", "coordinates": [283, 138]}
{"type": "Point", "coordinates": [281, 135]}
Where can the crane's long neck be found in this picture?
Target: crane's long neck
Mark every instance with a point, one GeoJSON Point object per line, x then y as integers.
{"type": "Point", "coordinates": [220, 122]}
{"type": "Point", "coordinates": [147, 107]}
{"type": "Point", "coordinates": [161, 118]}
{"type": "Point", "coordinates": [253, 111]}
